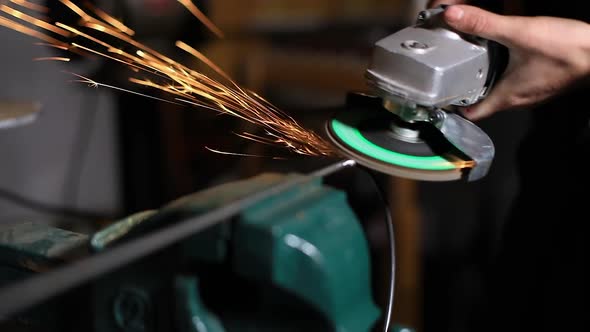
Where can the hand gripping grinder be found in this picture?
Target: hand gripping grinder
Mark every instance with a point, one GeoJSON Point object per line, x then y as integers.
{"type": "Point", "coordinates": [402, 129]}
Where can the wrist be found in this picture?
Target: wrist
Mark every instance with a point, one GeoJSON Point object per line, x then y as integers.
{"type": "Point", "coordinates": [584, 78]}
{"type": "Point", "coordinates": [586, 48]}
{"type": "Point", "coordinates": [579, 55]}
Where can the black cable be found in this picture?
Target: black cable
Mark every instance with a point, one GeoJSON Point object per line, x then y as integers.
{"type": "Point", "coordinates": [391, 242]}
{"type": "Point", "coordinates": [80, 146]}
{"type": "Point", "coordinates": [71, 185]}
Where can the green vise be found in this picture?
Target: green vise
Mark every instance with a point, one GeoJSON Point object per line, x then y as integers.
{"type": "Point", "coordinates": [297, 261]}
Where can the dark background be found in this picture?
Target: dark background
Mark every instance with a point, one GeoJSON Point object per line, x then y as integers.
{"type": "Point", "coordinates": [114, 154]}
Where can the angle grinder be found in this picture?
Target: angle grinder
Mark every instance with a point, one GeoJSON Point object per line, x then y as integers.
{"type": "Point", "coordinates": [402, 129]}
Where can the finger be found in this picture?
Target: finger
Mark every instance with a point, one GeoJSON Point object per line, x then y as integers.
{"type": "Point", "coordinates": [436, 3]}
{"type": "Point", "coordinates": [496, 101]}
{"type": "Point", "coordinates": [476, 21]}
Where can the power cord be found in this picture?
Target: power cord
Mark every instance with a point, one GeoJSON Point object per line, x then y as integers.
{"type": "Point", "coordinates": [73, 176]}
{"type": "Point", "coordinates": [80, 147]}
{"type": "Point", "coordinates": [391, 242]}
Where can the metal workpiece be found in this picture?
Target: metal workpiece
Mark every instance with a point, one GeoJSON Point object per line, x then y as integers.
{"type": "Point", "coordinates": [430, 65]}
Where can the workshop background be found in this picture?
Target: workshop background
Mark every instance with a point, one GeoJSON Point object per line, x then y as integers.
{"type": "Point", "coordinates": [110, 154]}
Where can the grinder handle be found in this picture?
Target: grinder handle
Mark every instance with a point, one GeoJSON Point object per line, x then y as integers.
{"type": "Point", "coordinates": [499, 57]}
{"type": "Point", "coordinates": [499, 54]}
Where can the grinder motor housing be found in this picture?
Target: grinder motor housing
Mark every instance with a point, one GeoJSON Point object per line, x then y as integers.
{"type": "Point", "coordinates": [431, 65]}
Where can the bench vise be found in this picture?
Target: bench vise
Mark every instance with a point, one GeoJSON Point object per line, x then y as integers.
{"type": "Point", "coordinates": [296, 261]}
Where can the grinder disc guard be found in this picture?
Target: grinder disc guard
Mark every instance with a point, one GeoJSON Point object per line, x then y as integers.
{"type": "Point", "coordinates": [372, 138]}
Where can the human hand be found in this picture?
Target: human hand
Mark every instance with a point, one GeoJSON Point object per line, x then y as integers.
{"type": "Point", "coordinates": [547, 56]}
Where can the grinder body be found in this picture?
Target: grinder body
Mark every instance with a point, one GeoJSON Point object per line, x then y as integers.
{"type": "Point", "coordinates": [431, 65]}
{"type": "Point", "coordinates": [416, 72]}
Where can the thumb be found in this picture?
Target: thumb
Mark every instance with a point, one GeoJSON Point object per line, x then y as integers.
{"type": "Point", "coordinates": [478, 22]}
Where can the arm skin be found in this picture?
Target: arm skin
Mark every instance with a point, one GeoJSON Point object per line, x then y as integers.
{"type": "Point", "coordinates": [548, 55]}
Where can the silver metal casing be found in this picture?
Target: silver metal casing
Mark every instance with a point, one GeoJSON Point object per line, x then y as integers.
{"type": "Point", "coordinates": [430, 65]}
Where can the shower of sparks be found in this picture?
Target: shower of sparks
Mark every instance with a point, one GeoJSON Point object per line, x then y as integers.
{"type": "Point", "coordinates": [31, 5]}
{"type": "Point", "coordinates": [52, 58]}
{"type": "Point", "coordinates": [185, 85]}
{"type": "Point", "coordinates": [188, 4]}
{"type": "Point", "coordinates": [241, 154]}
{"type": "Point", "coordinates": [110, 20]}
{"type": "Point", "coordinates": [32, 20]}
{"type": "Point", "coordinates": [94, 84]}
{"type": "Point", "coordinates": [28, 31]}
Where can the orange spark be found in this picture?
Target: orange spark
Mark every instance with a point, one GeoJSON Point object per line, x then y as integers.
{"type": "Point", "coordinates": [73, 7]}
{"type": "Point", "coordinates": [240, 154]}
{"type": "Point", "coordinates": [109, 19]}
{"type": "Point", "coordinates": [127, 39]}
{"type": "Point", "coordinates": [30, 5]}
{"type": "Point", "coordinates": [104, 55]}
{"type": "Point", "coordinates": [53, 58]}
{"type": "Point", "coordinates": [201, 17]}
{"type": "Point", "coordinates": [33, 20]}
{"type": "Point", "coordinates": [185, 47]}
{"type": "Point", "coordinates": [28, 31]}
{"type": "Point", "coordinates": [95, 84]}
{"type": "Point", "coordinates": [188, 87]}
{"type": "Point", "coordinates": [82, 34]}
{"type": "Point", "coordinates": [64, 48]}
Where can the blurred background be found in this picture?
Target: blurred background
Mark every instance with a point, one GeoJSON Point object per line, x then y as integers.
{"type": "Point", "coordinates": [101, 154]}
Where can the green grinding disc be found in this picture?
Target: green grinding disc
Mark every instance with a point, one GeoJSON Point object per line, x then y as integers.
{"type": "Point", "coordinates": [367, 137]}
